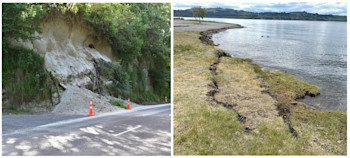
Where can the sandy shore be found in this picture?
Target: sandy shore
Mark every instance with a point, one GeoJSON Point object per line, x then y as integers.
{"type": "Point", "coordinates": [183, 26]}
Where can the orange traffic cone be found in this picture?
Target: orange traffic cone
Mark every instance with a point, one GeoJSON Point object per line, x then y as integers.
{"type": "Point", "coordinates": [91, 113]}
{"type": "Point", "coordinates": [128, 103]}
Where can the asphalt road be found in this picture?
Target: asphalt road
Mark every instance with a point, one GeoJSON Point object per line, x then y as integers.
{"type": "Point", "coordinates": [11, 123]}
{"type": "Point", "coordinates": [140, 131]}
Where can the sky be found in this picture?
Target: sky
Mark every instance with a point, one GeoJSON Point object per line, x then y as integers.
{"type": "Point", "coordinates": [334, 8]}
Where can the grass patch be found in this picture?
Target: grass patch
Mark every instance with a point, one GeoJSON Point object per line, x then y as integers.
{"type": "Point", "coordinates": [118, 103]}
{"type": "Point", "coordinates": [243, 60]}
{"type": "Point", "coordinates": [327, 128]}
{"type": "Point", "coordinates": [183, 48]}
{"type": "Point", "coordinates": [238, 85]}
{"type": "Point", "coordinates": [280, 83]}
{"type": "Point", "coordinates": [288, 84]}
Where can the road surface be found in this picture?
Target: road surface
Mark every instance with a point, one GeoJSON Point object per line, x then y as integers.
{"type": "Point", "coordinates": [140, 131]}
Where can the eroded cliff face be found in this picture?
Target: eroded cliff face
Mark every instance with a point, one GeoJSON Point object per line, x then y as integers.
{"type": "Point", "coordinates": [72, 52]}
{"type": "Point", "coordinates": [69, 48]}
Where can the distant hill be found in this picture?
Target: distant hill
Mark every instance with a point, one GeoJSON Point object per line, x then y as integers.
{"type": "Point", "coordinates": [240, 14]}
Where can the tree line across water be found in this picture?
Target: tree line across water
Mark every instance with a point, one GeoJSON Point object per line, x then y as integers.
{"type": "Point", "coordinates": [240, 14]}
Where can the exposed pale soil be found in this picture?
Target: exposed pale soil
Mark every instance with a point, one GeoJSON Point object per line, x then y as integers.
{"type": "Point", "coordinates": [65, 46]}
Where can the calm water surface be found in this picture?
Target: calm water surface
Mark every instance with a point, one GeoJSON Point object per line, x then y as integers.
{"type": "Point", "coordinates": [313, 50]}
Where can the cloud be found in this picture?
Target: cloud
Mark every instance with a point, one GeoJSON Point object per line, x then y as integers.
{"type": "Point", "coordinates": [335, 8]}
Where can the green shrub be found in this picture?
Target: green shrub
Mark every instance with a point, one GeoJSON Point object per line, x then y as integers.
{"type": "Point", "coordinates": [14, 110]}
{"type": "Point", "coordinates": [24, 76]}
{"type": "Point", "coordinates": [144, 97]}
{"type": "Point", "coordinates": [118, 103]}
{"type": "Point", "coordinates": [118, 75]}
{"type": "Point", "coordinates": [130, 82]}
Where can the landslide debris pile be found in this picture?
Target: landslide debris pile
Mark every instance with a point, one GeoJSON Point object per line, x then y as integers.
{"type": "Point", "coordinates": [76, 100]}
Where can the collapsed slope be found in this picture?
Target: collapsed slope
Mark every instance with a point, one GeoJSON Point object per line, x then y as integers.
{"type": "Point", "coordinates": [70, 49]}
{"type": "Point", "coordinates": [112, 49]}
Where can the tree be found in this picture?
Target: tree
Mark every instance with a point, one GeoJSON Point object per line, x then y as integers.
{"type": "Point", "coordinates": [19, 21]}
{"type": "Point", "coordinates": [199, 12]}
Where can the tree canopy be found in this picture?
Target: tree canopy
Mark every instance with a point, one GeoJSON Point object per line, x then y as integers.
{"type": "Point", "coordinates": [199, 12]}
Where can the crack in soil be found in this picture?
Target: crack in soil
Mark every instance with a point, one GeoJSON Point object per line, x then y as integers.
{"type": "Point", "coordinates": [284, 110]}
{"type": "Point", "coordinates": [206, 38]}
{"type": "Point", "coordinates": [214, 87]}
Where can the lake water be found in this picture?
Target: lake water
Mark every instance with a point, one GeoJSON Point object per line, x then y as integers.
{"type": "Point", "coordinates": [314, 50]}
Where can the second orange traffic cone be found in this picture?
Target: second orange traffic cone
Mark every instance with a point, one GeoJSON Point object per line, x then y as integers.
{"type": "Point", "coordinates": [91, 113]}
{"type": "Point", "coordinates": [128, 103]}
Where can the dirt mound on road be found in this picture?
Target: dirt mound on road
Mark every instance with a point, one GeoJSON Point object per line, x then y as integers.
{"type": "Point", "coordinates": [76, 100]}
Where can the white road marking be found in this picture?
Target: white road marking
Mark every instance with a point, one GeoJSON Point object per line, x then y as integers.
{"type": "Point", "coordinates": [138, 126]}
{"type": "Point", "coordinates": [11, 141]}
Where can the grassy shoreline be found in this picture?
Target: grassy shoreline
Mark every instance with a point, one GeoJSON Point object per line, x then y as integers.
{"type": "Point", "coordinates": [251, 112]}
